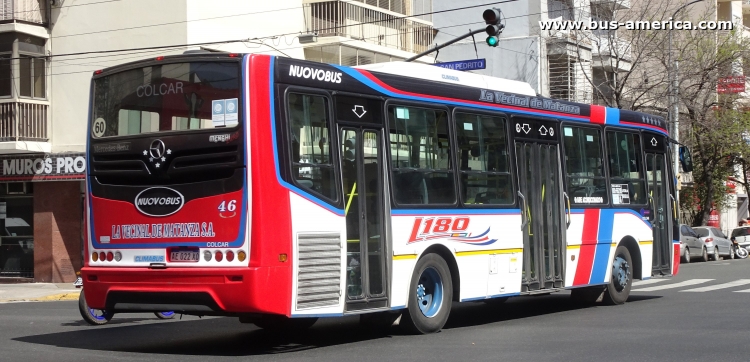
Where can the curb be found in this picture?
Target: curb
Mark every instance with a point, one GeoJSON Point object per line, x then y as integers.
{"type": "Point", "coordinates": [48, 298]}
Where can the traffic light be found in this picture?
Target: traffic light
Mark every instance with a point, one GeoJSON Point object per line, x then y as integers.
{"type": "Point", "coordinates": [494, 28]}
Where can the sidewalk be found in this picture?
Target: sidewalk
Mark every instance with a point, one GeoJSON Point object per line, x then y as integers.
{"type": "Point", "coordinates": [38, 292]}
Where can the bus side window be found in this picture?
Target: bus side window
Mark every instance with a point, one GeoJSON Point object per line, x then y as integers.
{"type": "Point", "coordinates": [420, 156]}
{"type": "Point", "coordinates": [625, 167]}
{"type": "Point", "coordinates": [482, 156]}
{"type": "Point", "coordinates": [309, 138]}
{"type": "Point", "coordinates": [584, 165]}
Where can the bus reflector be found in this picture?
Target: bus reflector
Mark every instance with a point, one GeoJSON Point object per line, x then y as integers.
{"type": "Point", "coordinates": [98, 71]}
{"type": "Point", "coordinates": [282, 257]}
{"type": "Point", "coordinates": [207, 255]}
{"type": "Point", "coordinates": [219, 256]}
{"type": "Point", "coordinates": [160, 58]}
{"type": "Point", "coordinates": [234, 55]}
{"type": "Point", "coordinates": [95, 256]}
{"type": "Point", "coordinates": [241, 255]}
{"type": "Point", "coordinates": [118, 256]}
{"type": "Point", "coordinates": [110, 256]}
{"type": "Point", "coordinates": [102, 256]}
{"type": "Point", "coordinates": [230, 255]}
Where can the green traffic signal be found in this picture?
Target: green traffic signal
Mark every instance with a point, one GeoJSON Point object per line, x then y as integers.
{"type": "Point", "coordinates": [492, 41]}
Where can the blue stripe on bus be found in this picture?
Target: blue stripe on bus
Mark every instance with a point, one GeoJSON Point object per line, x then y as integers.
{"type": "Point", "coordinates": [295, 189]}
{"type": "Point", "coordinates": [612, 116]}
{"type": "Point", "coordinates": [604, 241]}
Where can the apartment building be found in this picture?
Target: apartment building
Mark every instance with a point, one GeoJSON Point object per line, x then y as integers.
{"type": "Point", "coordinates": [50, 48]}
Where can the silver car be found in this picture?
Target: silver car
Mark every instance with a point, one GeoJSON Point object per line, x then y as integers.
{"type": "Point", "coordinates": [691, 245]}
{"type": "Point", "coordinates": [717, 244]}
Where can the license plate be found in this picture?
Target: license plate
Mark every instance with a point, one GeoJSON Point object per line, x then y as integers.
{"type": "Point", "coordinates": [184, 256]}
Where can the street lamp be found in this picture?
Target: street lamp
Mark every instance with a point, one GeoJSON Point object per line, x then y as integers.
{"type": "Point", "coordinates": [675, 104]}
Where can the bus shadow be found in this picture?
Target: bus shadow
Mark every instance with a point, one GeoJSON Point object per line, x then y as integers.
{"type": "Point", "coordinates": [479, 313]}
{"type": "Point", "coordinates": [227, 337]}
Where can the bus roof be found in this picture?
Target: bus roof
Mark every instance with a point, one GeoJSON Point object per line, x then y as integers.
{"type": "Point", "coordinates": [450, 76]}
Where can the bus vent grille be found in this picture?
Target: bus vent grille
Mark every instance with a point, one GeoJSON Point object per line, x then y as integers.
{"type": "Point", "coordinates": [319, 276]}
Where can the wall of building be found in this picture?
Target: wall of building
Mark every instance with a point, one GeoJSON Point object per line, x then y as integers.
{"type": "Point", "coordinates": [57, 231]}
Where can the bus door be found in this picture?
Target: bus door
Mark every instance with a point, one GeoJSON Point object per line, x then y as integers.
{"type": "Point", "coordinates": [541, 201]}
{"type": "Point", "coordinates": [362, 164]}
{"type": "Point", "coordinates": [659, 197]}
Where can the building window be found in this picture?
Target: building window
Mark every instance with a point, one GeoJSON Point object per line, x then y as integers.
{"type": "Point", "coordinates": [31, 79]}
{"type": "Point", "coordinates": [482, 156]}
{"type": "Point", "coordinates": [16, 230]}
{"type": "Point", "coordinates": [420, 156]}
{"type": "Point", "coordinates": [584, 166]}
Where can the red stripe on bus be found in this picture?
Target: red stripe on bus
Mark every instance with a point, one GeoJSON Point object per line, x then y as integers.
{"type": "Point", "coordinates": [271, 232]}
{"type": "Point", "coordinates": [598, 114]}
{"type": "Point", "coordinates": [588, 246]}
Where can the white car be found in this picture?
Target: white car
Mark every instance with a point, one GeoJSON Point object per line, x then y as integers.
{"type": "Point", "coordinates": [742, 236]}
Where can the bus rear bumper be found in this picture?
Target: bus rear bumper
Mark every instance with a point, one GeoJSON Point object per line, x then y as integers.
{"type": "Point", "coordinates": [202, 291]}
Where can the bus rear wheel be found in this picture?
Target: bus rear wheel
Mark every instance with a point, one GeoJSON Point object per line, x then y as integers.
{"type": "Point", "coordinates": [621, 280]}
{"type": "Point", "coordinates": [430, 296]}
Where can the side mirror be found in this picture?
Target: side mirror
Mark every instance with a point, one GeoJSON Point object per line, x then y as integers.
{"type": "Point", "coordinates": [686, 159]}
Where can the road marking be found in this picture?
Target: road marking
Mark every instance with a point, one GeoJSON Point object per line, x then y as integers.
{"type": "Point", "coordinates": [675, 285]}
{"type": "Point", "coordinates": [648, 281]}
{"type": "Point", "coordinates": [735, 283]}
{"type": "Point", "coordinates": [742, 291]}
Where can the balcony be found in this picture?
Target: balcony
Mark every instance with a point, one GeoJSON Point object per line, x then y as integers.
{"type": "Point", "coordinates": [24, 11]}
{"type": "Point", "coordinates": [383, 27]}
{"type": "Point", "coordinates": [611, 54]}
{"type": "Point", "coordinates": [613, 4]}
{"type": "Point", "coordinates": [23, 121]}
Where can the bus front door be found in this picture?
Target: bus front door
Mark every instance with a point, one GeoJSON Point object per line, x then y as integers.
{"type": "Point", "coordinates": [661, 211]}
{"type": "Point", "coordinates": [362, 163]}
{"type": "Point", "coordinates": [541, 202]}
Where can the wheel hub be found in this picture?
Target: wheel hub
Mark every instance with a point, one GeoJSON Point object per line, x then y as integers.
{"type": "Point", "coordinates": [620, 273]}
{"type": "Point", "coordinates": [429, 292]}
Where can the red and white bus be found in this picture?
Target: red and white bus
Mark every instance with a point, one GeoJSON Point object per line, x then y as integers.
{"type": "Point", "coordinates": [279, 191]}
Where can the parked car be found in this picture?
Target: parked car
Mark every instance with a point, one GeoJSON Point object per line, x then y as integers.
{"type": "Point", "coordinates": [691, 245]}
{"type": "Point", "coordinates": [742, 235]}
{"type": "Point", "coordinates": [717, 244]}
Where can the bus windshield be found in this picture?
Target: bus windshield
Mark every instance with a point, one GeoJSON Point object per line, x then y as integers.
{"type": "Point", "coordinates": [166, 97]}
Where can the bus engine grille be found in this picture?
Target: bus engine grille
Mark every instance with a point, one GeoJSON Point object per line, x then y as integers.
{"type": "Point", "coordinates": [319, 274]}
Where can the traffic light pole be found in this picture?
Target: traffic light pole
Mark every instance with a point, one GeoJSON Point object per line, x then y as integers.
{"type": "Point", "coordinates": [441, 46]}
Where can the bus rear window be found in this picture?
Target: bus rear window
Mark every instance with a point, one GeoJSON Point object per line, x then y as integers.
{"type": "Point", "coordinates": [168, 97]}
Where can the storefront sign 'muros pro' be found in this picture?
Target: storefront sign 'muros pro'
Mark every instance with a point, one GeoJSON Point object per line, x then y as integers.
{"type": "Point", "coordinates": [67, 166]}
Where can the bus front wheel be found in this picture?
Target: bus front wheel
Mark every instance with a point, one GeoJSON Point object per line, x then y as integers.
{"type": "Point", "coordinates": [430, 296]}
{"type": "Point", "coordinates": [621, 279]}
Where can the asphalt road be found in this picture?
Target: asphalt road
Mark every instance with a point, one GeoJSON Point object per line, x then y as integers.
{"type": "Point", "coordinates": [661, 322]}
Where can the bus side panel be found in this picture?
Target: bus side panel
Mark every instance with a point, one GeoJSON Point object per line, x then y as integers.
{"type": "Point", "coordinates": [271, 231]}
{"type": "Point", "coordinates": [312, 223]}
{"type": "Point", "coordinates": [593, 237]}
{"type": "Point", "coordinates": [487, 250]}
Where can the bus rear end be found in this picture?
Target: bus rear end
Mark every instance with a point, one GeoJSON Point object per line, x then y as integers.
{"type": "Point", "coordinates": [167, 189]}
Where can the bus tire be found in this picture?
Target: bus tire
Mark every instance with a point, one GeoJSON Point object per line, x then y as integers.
{"type": "Point", "coordinates": [430, 296]}
{"type": "Point", "coordinates": [621, 279]}
{"type": "Point", "coordinates": [280, 323]}
{"type": "Point", "coordinates": [95, 317]}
